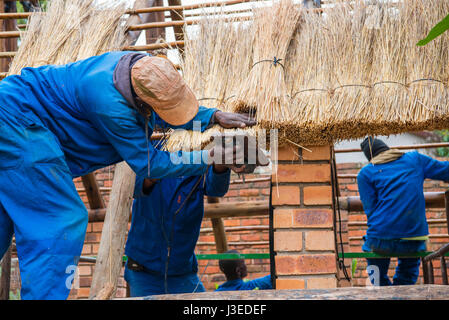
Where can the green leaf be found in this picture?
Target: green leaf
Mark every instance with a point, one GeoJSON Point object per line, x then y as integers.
{"type": "Point", "coordinates": [437, 30]}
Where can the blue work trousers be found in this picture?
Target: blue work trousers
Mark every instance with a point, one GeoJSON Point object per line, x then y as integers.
{"type": "Point", "coordinates": [40, 205]}
{"type": "Point", "coordinates": [407, 270]}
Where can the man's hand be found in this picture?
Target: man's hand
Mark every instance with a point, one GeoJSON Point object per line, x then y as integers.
{"type": "Point", "coordinates": [233, 120]}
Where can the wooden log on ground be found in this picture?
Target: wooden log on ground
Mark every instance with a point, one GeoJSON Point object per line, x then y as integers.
{"type": "Point", "coordinates": [113, 236]}
{"type": "Point", "coordinates": [415, 292]}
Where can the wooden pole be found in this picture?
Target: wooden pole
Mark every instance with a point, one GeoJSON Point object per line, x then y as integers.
{"type": "Point", "coordinates": [113, 236]}
{"type": "Point", "coordinates": [177, 15]}
{"type": "Point", "coordinates": [93, 191]}
{"type": "Point", "coordinates": [154, 46]}
{"type": "Point", "coordinates": [219, 230]}
{"type": "Point", "coordinates": [5, 280]}
{"type": "Point", "coordinates": [155, 34]}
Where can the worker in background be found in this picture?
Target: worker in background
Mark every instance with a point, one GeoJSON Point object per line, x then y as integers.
{"type": "Point", "coordinates": [169, 216]}
{"type": "Point", "coordinates": [235, 271]}
{"type": "Point", "coordinates": [391, 190]}
{"type": "Point", "coordinates": [62, 122]}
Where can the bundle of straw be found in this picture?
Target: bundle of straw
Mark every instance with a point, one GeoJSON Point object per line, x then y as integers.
{"type": "Point", "coordinates": [69, 31]}
{"type": "Point", "coordinates": [351, 71]}
{"type": "Point", "coordinates": [264, 91]}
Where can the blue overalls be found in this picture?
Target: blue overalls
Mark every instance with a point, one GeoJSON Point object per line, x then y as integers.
{"type": "Point", "coordinates": [151, 232]}
{"type": "Point", "coordinates": [263, 283]}
{"type": "Point", "coordinates": [393, 200]}
{"type": "Point", "coordinates": [57, 123]}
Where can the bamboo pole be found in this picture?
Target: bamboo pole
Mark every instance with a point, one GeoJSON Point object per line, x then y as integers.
{"type": "Point", "coordinates": [113, 236]}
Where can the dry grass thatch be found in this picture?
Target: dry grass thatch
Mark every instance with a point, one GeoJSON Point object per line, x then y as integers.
{"type": "Point", "coordinates": [351, 71]}
{"type": "Point", "coordinates": [68, 31]}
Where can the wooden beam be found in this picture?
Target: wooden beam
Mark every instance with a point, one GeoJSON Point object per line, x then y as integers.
{"type": "Point", "coordinates": [433, 200]}
{"type": "Point", "coordinates": [213, 210]}
{"type": "Point", "coordinates": [188, 7]}
{"type": "Point", "coordinates": [238, 209]}
{"type": "Point", "coordinates": [219, 229]}
{"type": "Point", "coordinates": [113, 236]}
{"type": "Point", "coordinates": [181, 23]}
{"type": "Point", "coordinates": [92, 190]}
{"type": "Point", "coordinates": [154, 46]}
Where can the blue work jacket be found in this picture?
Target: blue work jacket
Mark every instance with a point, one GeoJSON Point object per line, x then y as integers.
{"type": "Point", "coordinates": [93, 123]}
{"type": "Point", "coordinates": [263, 283]}
{"type": "Point", "coordinates": [393, 198]}
{"type": "Point", "coordinates": [152, 221]}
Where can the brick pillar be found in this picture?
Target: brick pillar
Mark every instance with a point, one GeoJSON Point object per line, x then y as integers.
{"type": "Point", "coordinates": [304, 241]}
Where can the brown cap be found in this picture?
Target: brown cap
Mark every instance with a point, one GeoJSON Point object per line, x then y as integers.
{"type": "Point", "coordinates": [157, 82]}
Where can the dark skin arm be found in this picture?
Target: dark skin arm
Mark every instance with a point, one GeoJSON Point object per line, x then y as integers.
{"type": "Point", "coordinates": [233, 120]}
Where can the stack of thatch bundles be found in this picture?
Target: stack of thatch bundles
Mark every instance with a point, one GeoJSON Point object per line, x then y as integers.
{"type": "Point", "coordinates": [351, 71]}
{"type": "Point", "coordinates": [68, 31]}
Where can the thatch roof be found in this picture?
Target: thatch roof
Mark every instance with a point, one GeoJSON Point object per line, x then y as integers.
{"type": "Point", "coordinates": [351, 71]}
{"type": "Point", "coordinates": [69, 31]}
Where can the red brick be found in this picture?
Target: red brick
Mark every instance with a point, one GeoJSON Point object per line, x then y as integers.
{"type": "Point", "coordinates": [87, 249]}
{"type": "Point", "coordinates": [318, 153]}
{"type": "Point", "coordinates": [97, 226]}
{"type": "Point", "coordinates": [312, 218]}
{"type": "Point", "coordinates": [287, 240]}
{"type": "Point", "coordinates": [302, 173]}
{"type": "Point", "coordinates": [83, 292]}
{"type": "Point", "coordinates": [318, 195]}
{"type": "Point", "coordinates": [285, 195]}
{"type": "Point", "coordinates": [305, 264]}
{"type": "Point", "coordinates": [249, 192]}
{"type": "Point", "coordinates": [322, 283]}
{"type": "Point", "coordinates": [85, 270]}
{"type": "Point", "coordinates": [288, 153]}
{"type": "Point", "coordinates": [282, 284]}
{"type": "Point", "coordinates": [282, 218]}
{"type": "Point", "coordinates": [320, 240]}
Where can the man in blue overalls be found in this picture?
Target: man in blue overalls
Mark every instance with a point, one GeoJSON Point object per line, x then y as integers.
{"type": "Point", "coordinates": [61, 122]}
{"type": "Point", "coordinates": [391, 190]}
{"type": "Point", "coordinates": [169, 218]}
{"type": "Point", "coordinates": [235, 271]}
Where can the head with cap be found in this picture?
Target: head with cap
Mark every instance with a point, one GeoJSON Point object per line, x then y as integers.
{"type": "Point", "coordinates": [233, 269]}
{"type": "Point", "coordinates": [158, 84]}
{"type": "Point", "coordinates": [372, 147]}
